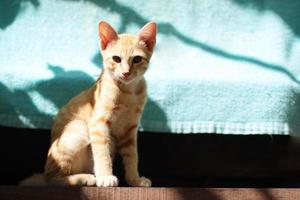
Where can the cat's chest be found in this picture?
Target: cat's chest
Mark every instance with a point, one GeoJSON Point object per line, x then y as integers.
{"type": "Point", "coordinates": [126, 114]}
{"type": "Point", "coordinates": [128, 107]}
{"type": "Point", "coordinates": [121, 109]}
{"type": "Point", "coordinates": [126, 100]}
{"type": "Point", "coordinates": [118, 109]}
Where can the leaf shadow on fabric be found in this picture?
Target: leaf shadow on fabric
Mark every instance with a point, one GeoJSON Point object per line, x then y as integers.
{"type": "Point", "coordinates": [129, 16]}
{"type": "Point", "coordinates": [9, 10]}
{"type": "Point", "coordinates": [287, 10]}
{"type": "Point", "coordinates": [18, 111]}
{"type": "Point", "coordinates": [153, 113]}
{"type": "Point", "coordinates": [97, 60]}
{"type": "Point", "coordinates": [293, 112]}
{"type": "Point", "coordinates": [58, 90]}
{"type": "Point", "coordinates": [7, 98]}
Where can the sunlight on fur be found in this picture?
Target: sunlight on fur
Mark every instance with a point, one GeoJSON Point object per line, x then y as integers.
{"type": "Point", "coordinates": [103, 119]}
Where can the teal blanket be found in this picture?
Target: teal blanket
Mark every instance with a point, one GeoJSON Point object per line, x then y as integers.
{"type": "Point", "coordinates": [220, 66]}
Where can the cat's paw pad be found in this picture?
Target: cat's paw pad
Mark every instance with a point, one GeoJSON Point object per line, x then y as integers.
{"type": "Point", "coordinates": [139, 182]}
{"type": "Point", "coordinates": [107, 181]}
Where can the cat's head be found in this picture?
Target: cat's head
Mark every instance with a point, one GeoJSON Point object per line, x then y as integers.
{"type": "Point", "coordinates": [126, 56]}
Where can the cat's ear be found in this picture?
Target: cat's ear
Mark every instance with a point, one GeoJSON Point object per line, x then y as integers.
{"type": "Point", "coordinates": [148, 35]}
{"type": "Point", "coordinates": [107, 34]}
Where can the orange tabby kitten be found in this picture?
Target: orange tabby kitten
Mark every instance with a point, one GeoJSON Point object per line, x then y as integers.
{"type": "Point", "coordinates": [105, 117]}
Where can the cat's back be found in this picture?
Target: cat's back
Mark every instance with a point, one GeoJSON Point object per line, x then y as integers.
{"type": "Point", "coordinates": [79, 107]}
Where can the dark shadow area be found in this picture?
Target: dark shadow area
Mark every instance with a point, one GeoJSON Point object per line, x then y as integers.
{"type": "Point", "coordinates": [175, 160]}
{"type": "Point", "coordinates": [288, 10]}
{"type": "Point", "coordinates": [209, 160]}
{"type": "Point", "coordinates": [9, 10]}
{"type": "Point", "coordinates": [45, 193]}
{"type": "Point", "coordinates": [61, 83]}
{"type": "Point", "coordinates": [23, 152]}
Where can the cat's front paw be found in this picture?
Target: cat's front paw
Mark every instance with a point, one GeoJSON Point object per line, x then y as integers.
{"type": "Point", "coordinates": [139, 182]}
{"type": "Point", "coordinates": [107, 181]}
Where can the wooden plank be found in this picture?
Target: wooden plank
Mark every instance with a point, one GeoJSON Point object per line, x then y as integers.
{"type": "Point", "coordinates": [125, 193]}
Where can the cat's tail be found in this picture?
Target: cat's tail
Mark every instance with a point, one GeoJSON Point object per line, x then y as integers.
{"type": "Point", "coordinates": [40, 180]}
{"type": "Point", "coordinates": [75, 179]}
{"type": "Point", "coordinates": [35, 180]}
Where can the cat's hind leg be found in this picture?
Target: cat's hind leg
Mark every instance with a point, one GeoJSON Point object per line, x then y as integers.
{"type": "Point", "coordinates": [58, 169]}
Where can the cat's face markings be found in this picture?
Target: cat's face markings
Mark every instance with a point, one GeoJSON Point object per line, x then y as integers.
{"type": "Point", "coordinates": [127, 68]}
{"type": "Point", "coordinates": [127, 56]}
{"type": "Point", "coordinates": [126, 59]}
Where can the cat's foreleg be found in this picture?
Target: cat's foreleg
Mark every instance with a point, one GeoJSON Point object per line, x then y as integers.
{"type": "Point", "coordinates": [101, 144]}
{"type": "Point", "coordinates": [128, 150]}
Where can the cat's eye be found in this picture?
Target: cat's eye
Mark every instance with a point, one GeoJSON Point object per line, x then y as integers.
{"type": "Point", "coordinates": [136, 59]}
{"type": "Point", "coordinates": [117, 59]}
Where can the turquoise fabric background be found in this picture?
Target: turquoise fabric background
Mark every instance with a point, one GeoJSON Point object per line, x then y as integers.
{"type": "Point", "coordinates": [220, 66]}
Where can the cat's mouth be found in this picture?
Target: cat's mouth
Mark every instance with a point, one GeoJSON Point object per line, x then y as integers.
{"type": "Point", "coordinates": [126, 79]}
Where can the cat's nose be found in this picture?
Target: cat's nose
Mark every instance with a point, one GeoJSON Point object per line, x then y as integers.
{"type": "Point", "coordinates": [126, 74]}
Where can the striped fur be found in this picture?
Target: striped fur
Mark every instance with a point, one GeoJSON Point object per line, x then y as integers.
{"type": "Point", "coordinates": [104, 118]}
